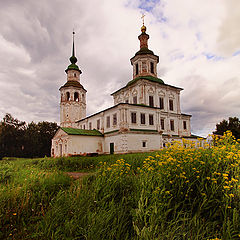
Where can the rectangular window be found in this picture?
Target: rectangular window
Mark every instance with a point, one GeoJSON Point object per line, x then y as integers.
{"type": "Point", "coordinates": [108, 121]}
{"type": "Point", "coordinates": [144, 144]}
{"type": "Point", "coordinates": [171, 105]}
{"type": "Point", "coordinates": [135, 100]}
{"type": "Point", "coordinates": [90, 126]}
{"type": "Point", "coordinates": [98, 124]}
{"type": "Point", "coordinates": [152, 67]}
{"type": "Point", "coordinates": [172, 125]}
{"type": "Point", "coordinates": [134, 117]}
{"type": "Point", "coordinates": [151, 103]}
{"type": "Point", "coordinates": [184, 125]}
{"type": "Point", "coordinates": [162, 123]}
{"type": "Point", "coordinates": [143, 120]}
{"type": "Point", "coordinates": [151, 119]}
{"type": "Point", "coordinates": [161, 103]}
{"type": "Point", "coordinates": [83, 126]}
{"type": "Point", "coordinates": [115, 119]}
{"type": "Point", "coordinates": [137, 69]}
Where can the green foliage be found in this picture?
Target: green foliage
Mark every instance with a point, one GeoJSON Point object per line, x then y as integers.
{"type": "Point", "coordinates": [176, 193]}
{"type": "Point", "coordinates": [233, 125]}
{"type": "Point", "coordinates": [25, 195]}
{"type": "Point", "coordinates": [11, 134]}
{"type": "Point", "coordinates": [18, 139]}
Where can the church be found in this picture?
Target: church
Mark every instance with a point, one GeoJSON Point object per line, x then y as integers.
{"type": "Point", "coordinates": [145, 116]}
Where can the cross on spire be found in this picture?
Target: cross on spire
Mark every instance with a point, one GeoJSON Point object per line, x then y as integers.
{"type": "Point", "coordinates": [142, 17]}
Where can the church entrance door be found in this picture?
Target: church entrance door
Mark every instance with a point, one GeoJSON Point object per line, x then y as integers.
{"type": "Point", "coordinates": [111, 148]}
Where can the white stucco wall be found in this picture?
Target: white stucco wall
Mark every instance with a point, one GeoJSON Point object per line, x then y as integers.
{"type": "Point", "coordinates": [143, 89]}
{"type": "Point", "coordinates": [124, 111]}
{"type": "Point", "coordinates": [66, 145]}
{"type": "Point", "coordinates": [133, 142]}
{"type": "Point", "coordinates": [81, 144]}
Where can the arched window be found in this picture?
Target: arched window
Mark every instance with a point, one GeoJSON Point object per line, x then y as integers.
{"type": "Point", "coordinates": [76, 97]}
{"type": "Point", "coordinates": [83, 96]}
{"type": "Point", "coordinates": [68, 96]}
{"type": "Point", "coordinates": [75, 75]}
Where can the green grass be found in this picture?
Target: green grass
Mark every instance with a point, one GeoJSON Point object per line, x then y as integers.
{"type": "Point", "coordinates": [176, 193]}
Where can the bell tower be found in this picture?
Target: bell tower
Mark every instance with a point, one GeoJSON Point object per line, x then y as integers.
{"type": "Point", "coordinates": [144, 62]}
{"type": "Point", "coordinates": [73, 95]}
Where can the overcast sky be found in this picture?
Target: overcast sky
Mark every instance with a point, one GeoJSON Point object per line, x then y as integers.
{"type": "Point", "coordinates": [198, 42]}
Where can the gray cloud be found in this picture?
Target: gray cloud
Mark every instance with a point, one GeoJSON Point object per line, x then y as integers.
{"type": "Point", "coordinates": [35, 44]}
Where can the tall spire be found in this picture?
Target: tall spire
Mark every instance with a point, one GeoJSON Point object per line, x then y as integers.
{"type": "Point", "coordinates": [73, 59]}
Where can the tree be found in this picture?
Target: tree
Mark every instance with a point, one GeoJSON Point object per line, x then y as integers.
{"type": "Point", "coordinates": [11, 136]}
{"type": "Point", "coordinates": [38, 138]}
{"type": "Point", "coordinates": [18, 139]}
{"type": "Point", "coordinates": [233, 124]}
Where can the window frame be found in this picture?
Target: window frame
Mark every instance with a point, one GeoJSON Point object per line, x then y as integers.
{"type": "Point", "coordinates": [108, 124]}
{"type": "Point", "coordinates": [162, 123]}
{"type": "Point", "coordinates": [143, 117]}
{"type": "Point", "coordinates": [172, 128]}
{"type": "Point", "coordinates": [114, 119]}
{"type": "Point", "coordinates": [134, 99]}
{"type": "Point", "coordinates": [184, 125]}
{"type": "Point", "coordinates": [133, 118]}
{"type": "Point", "coordinates": [137, 68]}
{"type": "Point", "coordinates": [151, 100]}
{"type": "Point", "coordinates": [151, 119]}
{"type": "Point", "coordinates": [171, 108]}
{"type": "Point", "coordinates": [98, 124]}
{"type": "Point", "coordinates": [161, 102]}
{"type": "Point", "coordinates": [144, 143]}
{"type": "Point", "coordinates": [152, 67]}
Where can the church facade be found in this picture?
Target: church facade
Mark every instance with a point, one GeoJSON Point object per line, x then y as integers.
{"type": "Point", "coordinates": [145, 116]}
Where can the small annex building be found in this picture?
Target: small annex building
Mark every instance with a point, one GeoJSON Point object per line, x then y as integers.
{"type": "Point", "coordinates": [145, 116]}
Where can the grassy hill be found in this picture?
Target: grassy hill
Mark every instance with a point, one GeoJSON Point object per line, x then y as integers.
{"type": "Point", "coordinates": [176, 193]}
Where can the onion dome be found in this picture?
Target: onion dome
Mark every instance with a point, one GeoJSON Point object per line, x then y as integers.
{"type": "Point", "coordinates": [143, 29]}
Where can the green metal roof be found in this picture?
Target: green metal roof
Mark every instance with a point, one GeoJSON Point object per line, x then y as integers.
{"type": "Point", "coordinates": [150, 78]}
{"type": "Point", "coordinates": [76, 131]}
{"type": "Point", "coordinates": [73, 66]}
{"type": "Point", "coordinates": [144, 50]}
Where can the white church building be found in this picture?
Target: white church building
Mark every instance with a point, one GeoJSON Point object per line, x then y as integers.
{"type": "Point", "coordinates": [145, 116]}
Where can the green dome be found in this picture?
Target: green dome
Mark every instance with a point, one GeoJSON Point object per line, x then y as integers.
{"type": "Point", "coordinates": [73, 67]}
{"type": "Point", "coordinates": [144, 50]}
